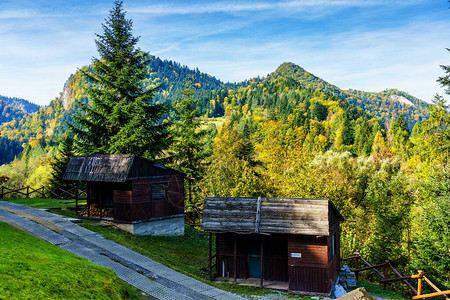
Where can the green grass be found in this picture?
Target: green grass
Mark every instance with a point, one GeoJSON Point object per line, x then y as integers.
{"type": "Point", "coordinates": [216, 121]}
{"type": "Point", "coordinates": [44, 202]}
{"type": "Point", "coordinates": [31, 268]}
{"type": "Point", "coordinates": [374, 289]}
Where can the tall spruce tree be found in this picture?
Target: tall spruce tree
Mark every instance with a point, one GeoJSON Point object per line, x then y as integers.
{"type": "Point", "coordinates": [399, 133]}
{"type": "Point", "coordinates": [187, 151]}
{"type": "Point", "coordinates": [445, 80]}
{"type": "Point", "coordinates": [120, 116]}
{"type": "Point", "coordinates": [188, 148]}
{"type": "Point", "coordinates": [59, 165]}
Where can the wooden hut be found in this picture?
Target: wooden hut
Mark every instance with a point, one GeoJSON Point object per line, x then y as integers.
{"type": "Point", "coordinates": [139, 195]}
{"type": "Point", "coordinates": [284, 240]}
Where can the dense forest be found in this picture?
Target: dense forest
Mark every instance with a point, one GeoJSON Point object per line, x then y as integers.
{"type": "Point", "coordinates": [21, 104]}
{"type": "Point", "coordinates": [382, 158]}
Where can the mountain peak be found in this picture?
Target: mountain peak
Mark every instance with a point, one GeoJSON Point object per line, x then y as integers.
{"type": "Point", "coordinates": [288, 67]}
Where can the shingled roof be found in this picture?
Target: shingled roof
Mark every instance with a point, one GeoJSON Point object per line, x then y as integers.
{"type": "Point", "coordinates": [114, 168]}
{"type": "Point", "coordinates": [269, 215]}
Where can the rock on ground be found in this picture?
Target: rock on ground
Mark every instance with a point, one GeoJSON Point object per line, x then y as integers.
{"type": "Point", "coordinates": [358, 294]}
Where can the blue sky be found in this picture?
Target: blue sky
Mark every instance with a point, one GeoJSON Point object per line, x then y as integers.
{"type": "Point", "coordinates": [368, 45]}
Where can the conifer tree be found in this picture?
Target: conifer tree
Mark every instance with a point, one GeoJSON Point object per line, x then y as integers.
{"type": "Point", "coordinates": [399, 133]}
{"type": "Point", "coordinates": [59, 164]}
{"type": "Point", "coordinates": [121, 116]}
{"type": "Point", "coordinates": [187, 151]}
{"type": "Point", "coordinates": [445, 80]}
{"type": "Point", "coordinates": [188, 147]}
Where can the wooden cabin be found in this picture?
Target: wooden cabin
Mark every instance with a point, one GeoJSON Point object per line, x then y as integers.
{"type": "Point", "coordinates": [139, 195]}
{"type": "Point", "coordinates": [292, 241]}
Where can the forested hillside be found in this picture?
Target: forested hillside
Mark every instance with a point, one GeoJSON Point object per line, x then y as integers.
{"type": "Point", "coordinates": [21, 104]}
{"type": "Point", "coordinates": [213, 95]}
{"type": "Point", "coordinates": [388, 105]}
{"type": "Point", "coordinates": [12, 109]}
{"type": "Point", "coordinates": [383, 105]}
{"type": "Point", "coordinates": [9, 112]}
{"type": "Point", "coordinates": [51, 121]}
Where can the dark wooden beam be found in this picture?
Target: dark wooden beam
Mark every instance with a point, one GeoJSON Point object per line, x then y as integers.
{"type": "Point", "coordinates": [210, 257]}
{"type": "Point", "coordinates": [395, 279]}
{"type": "Point", "coordinates": [76, 198]}
{"type": "Point", "coordinates": [88, 201]}
{"type": "Point", "coordinates": [217, 257]}
{"type": "Point", "coordinates": [261, 274]}
{"type": "Point", "coordinates": [101, 203]}
{"type": "Point", "coordinates": [235, 258]}
{"type": "Point", "coordinates": [371, 267]}
{"type": "Point", "coordinates": [413, 289]}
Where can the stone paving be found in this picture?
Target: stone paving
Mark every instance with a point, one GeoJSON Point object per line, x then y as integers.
{"type": "Point", "coordinates": [140, 271]}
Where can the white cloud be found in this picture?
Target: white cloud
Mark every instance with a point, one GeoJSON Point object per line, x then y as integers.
{"type": "Point", "coordinates": [257, 6]}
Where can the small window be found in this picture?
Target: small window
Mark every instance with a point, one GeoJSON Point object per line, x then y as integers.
{"type": "Point", "coordinates": [159, 191]}
{"type": "Point", "coordinates": [334, 244]}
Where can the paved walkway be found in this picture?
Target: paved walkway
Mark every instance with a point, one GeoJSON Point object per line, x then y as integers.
{"type": "Point", "coordinates": [142, 272]}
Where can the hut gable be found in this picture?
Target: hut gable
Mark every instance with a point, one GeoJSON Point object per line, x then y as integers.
{"type": "Point", "coordinates": [229, 214]}
{"type": "Point", "coordinates": [269, 215]}
{"type": "Point", "coordinates": [114, 168]}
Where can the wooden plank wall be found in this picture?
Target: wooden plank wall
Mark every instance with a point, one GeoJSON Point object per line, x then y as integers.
{"type": "Point", "coordinates": [277, 215]}
{"type": "Point", "coordinates": [333, 217]}
{"type": "Point", "coordinates": [314, 251]}
{"type": "Point", "coordinates": [295, 216]}
{"type": "Point", "coordinates": [146, 168]}
{"type": "Point", "coordinates": [314, 271]}
{"type": "Point", "coordinates": [334, 262]}
{"type": "Point", "coordinates": [276, 257]}
{"type": "Point", "coordinates": [309, 273]}
{"type": "Point", "coordinates": [122, 196]}
{"type": "Point", "coordinates": [308, 279]}
{"type": "Point", "coordinates": [144, 207]}
{"type": "Point", "coordinates": [225, 251]}
{"type": "Point", "coordinates": [229, 214]}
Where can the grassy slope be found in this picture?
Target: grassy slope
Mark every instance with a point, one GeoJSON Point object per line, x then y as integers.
{"type": "Point", "coordinates": [31, 268]}
{"type": "Point", "coordinates": [44, 202]}
{"type": "Point", "coordinates": [374, 289]}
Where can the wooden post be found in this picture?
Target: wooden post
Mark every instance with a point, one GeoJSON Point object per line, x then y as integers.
{"type": "Point", "coordinates": [76, 197]}
{"type": "Point", "coordinates": [101, 204]}
{"type": "Point", "coordinates": [356, 263]}
{"type": "Point", "coordinates": [217, 258]}
{"type": "Point", "coordinates": [210, 250]}
{"type": "Point", "coordinates": [419, 283]}
{"type": "Point", "coordinates": [386, 269]}
{"type": "Point", "coordinates": [88, 200]}
{"type": "Point", "coordinates": [28, 191]}
{"type": "Point", "coordinates": [261, 274]}
{"type": "Point", "coordinates": [235, 258]}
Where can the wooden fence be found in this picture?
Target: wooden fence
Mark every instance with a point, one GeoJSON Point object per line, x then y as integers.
{"type": "Point", "coordinates": [386, 266]}
{"type": "Point", "coordinates": [44, 192]}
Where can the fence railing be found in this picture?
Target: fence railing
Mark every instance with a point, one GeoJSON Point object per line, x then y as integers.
{"type": "Point", "coordinates": [385, 280]}
{"type": "Point", "coordinates": [44, 192]}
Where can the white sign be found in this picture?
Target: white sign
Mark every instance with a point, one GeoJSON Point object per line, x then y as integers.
{"type": "Point", "coordinates": [296, 255]}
